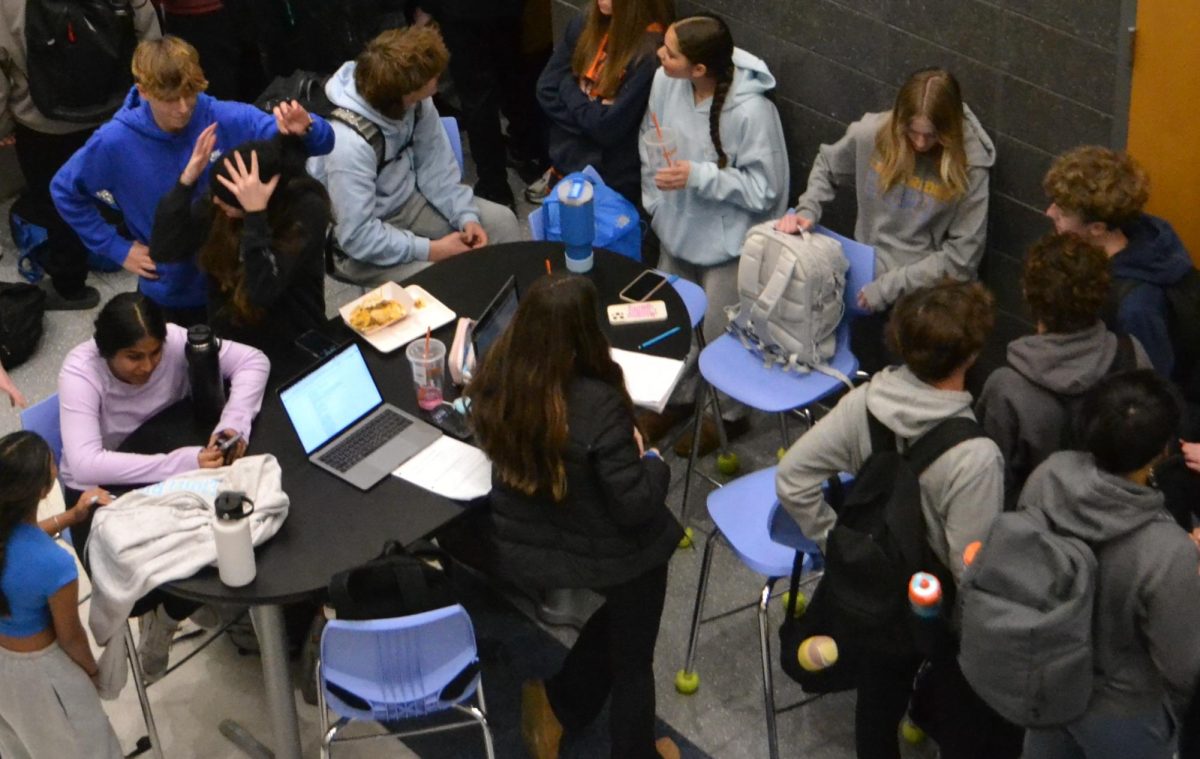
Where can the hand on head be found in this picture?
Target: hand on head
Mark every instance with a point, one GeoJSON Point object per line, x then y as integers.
{"type": "Point", "coordinates": [251, 192]}
{"type": "Point", "coordinates": [291, 118]}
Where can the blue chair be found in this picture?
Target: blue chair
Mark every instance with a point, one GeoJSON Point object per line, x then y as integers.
{"type": "Point", "coordinates": [385, 670]}
{"type": "Point", "coordinates": [42, 418]}
{"type": "Point", "coordinates": [450, 124]}
{"type": "Point", "coordinates": [726, 366]}
{"type": "Point", "coordinates": [744, 515]}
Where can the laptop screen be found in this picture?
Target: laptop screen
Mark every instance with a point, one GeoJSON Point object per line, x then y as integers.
{"type": "Point", "coordinates": [495, 319]}
{"type": "Point", "coordinates": [330, 398]}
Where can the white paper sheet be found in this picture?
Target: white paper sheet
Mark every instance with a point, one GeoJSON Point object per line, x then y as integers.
{"type": "Point", "coordinates": [649, 379]}
{"type": "Point", "coordinates": [450, 468]}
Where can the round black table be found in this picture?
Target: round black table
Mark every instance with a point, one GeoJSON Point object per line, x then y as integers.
{"type": "Point", "coordinates": [332, 526]}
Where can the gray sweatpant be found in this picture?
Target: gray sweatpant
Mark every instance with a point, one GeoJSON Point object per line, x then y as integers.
{"type": "Point", "coordinates": [49, 707]}
{"type": "Point", "coordinates": [423, 220]}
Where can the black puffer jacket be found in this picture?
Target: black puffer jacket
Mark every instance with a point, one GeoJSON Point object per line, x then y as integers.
{"type": "Point", "coordinates": [613, 525]}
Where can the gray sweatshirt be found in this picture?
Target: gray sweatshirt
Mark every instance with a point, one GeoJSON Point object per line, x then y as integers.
{"type": "Point", "coordinates": [961, 492]}
{"type": "Point", "coordinates": [15, 102]}
{"type": "Point", "coordinates": [1020, 406]}
{"type": "Point", "coordinates": [920, 232]}
{"type": "Point", "coordinates": [1146, 621]}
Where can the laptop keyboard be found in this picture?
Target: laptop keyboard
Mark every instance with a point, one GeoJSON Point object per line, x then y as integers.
{"type": "Point", "coordinates": [365, 440]}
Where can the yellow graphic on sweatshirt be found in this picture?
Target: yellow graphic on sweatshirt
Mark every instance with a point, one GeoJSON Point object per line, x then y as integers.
{"type": "Point", "coordinates": [933, 187]}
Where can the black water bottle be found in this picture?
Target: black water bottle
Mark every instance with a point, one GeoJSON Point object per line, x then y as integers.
{"type": "Point", "coordinates": [204, 373]}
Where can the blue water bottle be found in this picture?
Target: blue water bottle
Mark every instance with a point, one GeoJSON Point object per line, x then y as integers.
{"type": "Point", "coordinates": [578, 223]}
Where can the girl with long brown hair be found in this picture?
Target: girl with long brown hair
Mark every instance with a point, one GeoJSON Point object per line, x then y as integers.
{"type": "Point", "coordinates": [594, 91]}
{"type": "Point", "coordinates": [48, 700]}
{"type": "Point", "coordinates": [729, 172]}
{"type": "Point", "coordinates": [920, 174]}
{"type": "Point", "coordinates": [259, 236]}
{"type": "Point", "coordinates": [577, 503]}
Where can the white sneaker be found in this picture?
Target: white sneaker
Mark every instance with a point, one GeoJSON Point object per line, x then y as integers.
{"type": "Point", "coordinates": [207, 617]}
{"type": "Point", "coordinates": [157, 630]}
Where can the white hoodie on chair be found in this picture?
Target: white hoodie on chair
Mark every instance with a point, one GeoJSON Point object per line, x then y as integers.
{"type": "Point", "coordinates": [162, 533]}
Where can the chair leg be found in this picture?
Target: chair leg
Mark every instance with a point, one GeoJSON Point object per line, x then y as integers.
{"type": "Point", "coordinates": [764, 640]}
{"type": "Point", "coordinates": [701, 402]}
{"type": "Point", "coordinates": [322, 708]}
{"type": "Point", "coordinates": [139, 684]}
{"type": "Point", "coordinates": [698, 609]}
{"type": "Point", "coordinates": [783, 431]}
{"type": "Point", "coordinates": [328, 736]}
{"type": "Point", "coordinates": [479, 716]}
{"type": "Point", "coordinates": [722, 439]}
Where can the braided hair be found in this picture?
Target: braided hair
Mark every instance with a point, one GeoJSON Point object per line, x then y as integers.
{"type": "Point", "coordinates": [26, 473]}
{"type": "Point", "coordinates": [705, 40]}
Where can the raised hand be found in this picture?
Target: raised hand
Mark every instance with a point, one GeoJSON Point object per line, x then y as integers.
{"type": "Point", "coordinates": [252, 193]}
{"type": "Point", "coordinates": [291, 118]}
{"type": "Point", "coordinates": [201, 155]}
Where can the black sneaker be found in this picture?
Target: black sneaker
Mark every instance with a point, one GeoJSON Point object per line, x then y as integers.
{"type": "Point", "coordinates": [87, 298]}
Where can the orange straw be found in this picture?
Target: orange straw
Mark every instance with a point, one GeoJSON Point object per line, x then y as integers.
{"type": "Point", "coordinates": [428, 333]}
{"type": "Point", "coordinates": [548, 272]}
{"type": "Point", "coordinates": [658, 131]}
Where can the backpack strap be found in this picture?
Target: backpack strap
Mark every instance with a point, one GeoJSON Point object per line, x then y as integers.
{"type": "Point", "coordinates": [947, 434]}
{"type": "Point", "coordinates": [882, 437]}
{"type": "Point", "coordinates": [370, 131]}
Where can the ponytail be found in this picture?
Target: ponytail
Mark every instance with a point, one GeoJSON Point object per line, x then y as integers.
{"type": "Point", "coordinates": [705, 39]}
{"type": "Point", "coordinates": [25, 476]}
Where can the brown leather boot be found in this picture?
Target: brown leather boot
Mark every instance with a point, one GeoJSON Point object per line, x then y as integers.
{"type": "Point", "coordinates": [540, 729]}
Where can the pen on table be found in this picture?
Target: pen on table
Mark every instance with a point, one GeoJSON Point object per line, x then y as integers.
{"type": "Point", "coordinates": [659, 338]}
{"type": "Point", "coordinates": [548, 266]}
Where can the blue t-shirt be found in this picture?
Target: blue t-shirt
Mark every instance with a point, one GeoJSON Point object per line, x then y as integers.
{"type": "Point", "coordinates": [35, 568]}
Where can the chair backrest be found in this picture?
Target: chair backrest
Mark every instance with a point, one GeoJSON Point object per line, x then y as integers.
{"type": "Point", "coordinates": [693, 297]}
{"type": "Point", "coordinates": [450, 124]}
{"type": "Point", "coordinates": [398, 668]}
{"type": "Point", "coordinates": [537, 224]}
{"type": "Point", "coordinates": [42, 418]}
{"type": "Point", "coordinates": [862, 267]}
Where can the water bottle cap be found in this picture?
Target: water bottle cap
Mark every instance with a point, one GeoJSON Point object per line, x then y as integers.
{"type": "Point", "coordinates": [231, 505]}
{"type": "Point", "coordinates": [924, 589]}
{"type": "Point", "coordinates": [199, 334]}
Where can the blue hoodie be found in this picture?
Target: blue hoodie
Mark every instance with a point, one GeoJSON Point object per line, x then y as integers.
{"type": "Point", "coordinates": [704, 223]}
{"type": "Point", "coordinates": [132, 163]}
{"type": "Point", "coordinates": [418, 158]}
{"type": "Point", "coordinates": [1155, 256]}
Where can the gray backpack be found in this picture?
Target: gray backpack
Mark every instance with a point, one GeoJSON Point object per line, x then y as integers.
{"type": "Point", "coordinates": [790, 298]}
{"type": "Point", "coordinates": [1026, 603]}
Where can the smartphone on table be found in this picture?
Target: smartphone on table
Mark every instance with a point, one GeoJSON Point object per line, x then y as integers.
{"type": "Point", "coordinates": [642, 287]}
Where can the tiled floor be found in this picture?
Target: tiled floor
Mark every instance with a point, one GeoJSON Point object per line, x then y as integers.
{"type": "Point", "coordinates": [725, 718]}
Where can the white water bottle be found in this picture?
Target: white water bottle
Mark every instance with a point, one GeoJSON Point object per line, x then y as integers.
{"type": "Point", "coordinates": [231, 531]}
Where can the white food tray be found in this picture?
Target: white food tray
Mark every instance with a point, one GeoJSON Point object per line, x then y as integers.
{"type": "Point", "coordinates": [430, 314]}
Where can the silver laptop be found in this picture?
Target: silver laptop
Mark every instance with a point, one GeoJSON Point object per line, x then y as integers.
{"type": "Point", "coordinates": [344, 425]}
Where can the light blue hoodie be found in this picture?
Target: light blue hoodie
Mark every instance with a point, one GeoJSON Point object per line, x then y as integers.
{"type": "Point", "coordinates": [705, 222]}
{"type": "Point", "coordinates": [363, 197]}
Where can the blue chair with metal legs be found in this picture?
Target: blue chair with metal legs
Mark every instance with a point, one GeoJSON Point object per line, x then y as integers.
{"type": "Point", "coordinates": [745, 516]}
{"type": "Point", "coordinates": [727, 366]}
{"type": "Point", "coordinates": [385, 670]}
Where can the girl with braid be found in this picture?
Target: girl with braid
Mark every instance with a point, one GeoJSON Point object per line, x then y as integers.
{"type": "Point", "coordinates": [48, 700]}
{"type": "Point", "coordinates": [729, 172]}
{"type": "Point", "coordinates": [920, 175]}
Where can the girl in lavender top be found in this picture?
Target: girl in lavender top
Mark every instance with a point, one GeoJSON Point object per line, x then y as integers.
{"type": "Point", "coordinates": [109, 386]}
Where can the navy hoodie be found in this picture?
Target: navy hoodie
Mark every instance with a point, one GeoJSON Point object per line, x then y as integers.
{"type": "Point", "coordinates": [1155, 255]}
{"type": "Point", "coordinates": [132, 163]}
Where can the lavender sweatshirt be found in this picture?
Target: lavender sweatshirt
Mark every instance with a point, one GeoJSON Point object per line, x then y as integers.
{"type": "Point", "coordinates": [98, 411]}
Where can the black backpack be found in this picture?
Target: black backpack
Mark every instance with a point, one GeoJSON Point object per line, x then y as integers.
{"type": "Point", "coordinates": [22, 307]}
{"type": "Point", "coordinates": [308, 89]}
{"type": "Point", "coordinates": [1183, 325]}
{"type": "Point", "coordinates": [878, 542]}
{"type": "Point", "coordinates": [395, 584]}
{"type": "Point", "coordinates": [78, 54]}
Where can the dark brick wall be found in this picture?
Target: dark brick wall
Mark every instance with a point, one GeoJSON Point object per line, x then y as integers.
{"type": "Point", "coordinates": [1042, 75]}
